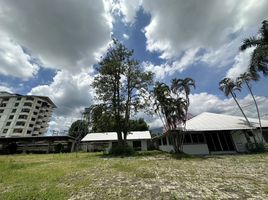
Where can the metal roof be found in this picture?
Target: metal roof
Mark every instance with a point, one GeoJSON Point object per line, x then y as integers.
{"type": "Point", "coordinates": [210, 121]}
{"type": "Point", "coordinates": [112, 136]}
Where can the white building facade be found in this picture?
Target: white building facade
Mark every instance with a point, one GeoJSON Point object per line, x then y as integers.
{"type": "Point", "coordinates": [138, 140]}
{"type": "Point", "coordinates": [210, 133]}
{"type": "Point", "coordinates": [22, 116]}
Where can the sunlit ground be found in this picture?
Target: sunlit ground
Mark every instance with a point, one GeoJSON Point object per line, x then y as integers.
{"type": "Point", "coordinates": [154, 175]}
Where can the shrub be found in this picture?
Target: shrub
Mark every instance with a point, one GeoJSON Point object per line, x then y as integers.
{"type": "Point", "coordinates": [58, 148]}
{"type": "Point", "coordinates": [256, 148]}
{"type": "Point", "coordinates": [121, 150]}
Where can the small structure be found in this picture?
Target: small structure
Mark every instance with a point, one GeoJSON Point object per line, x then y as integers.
{"type": "Point", "coordinates": [37, 144]}
{"type": "Point", "coordinates": [138, 140]}
{"type": "Point", "coordinates": [210, 133]}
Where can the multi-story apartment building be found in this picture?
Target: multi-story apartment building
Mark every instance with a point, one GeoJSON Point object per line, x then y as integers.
{"type": "Point", "coordinates": [24, 115]}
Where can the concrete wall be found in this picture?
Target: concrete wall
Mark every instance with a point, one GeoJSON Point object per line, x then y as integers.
{"type": "Point", "coordinates": [87, 146]}
{"type": "Point", "coordinates": [239, 141]}
{"type": "Point", "coordinates": [196, 149]}
{"type": "Point", "coordinates": [193, 149]}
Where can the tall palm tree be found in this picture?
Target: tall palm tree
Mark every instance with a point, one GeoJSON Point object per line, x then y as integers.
{"type": "Point", "coordinates": [183, 85]}
{"type": "Point", "coordinates": [228, 87]}
{"type": "Point", "coordinates": [246, 78]}
{"type": "Point", "coordinates": [259, 57]}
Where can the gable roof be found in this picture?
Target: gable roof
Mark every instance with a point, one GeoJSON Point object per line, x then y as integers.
{"type": "Point", "coordinates": [112, 136]}
{"type": "Point", "coordinates": [210, 121]}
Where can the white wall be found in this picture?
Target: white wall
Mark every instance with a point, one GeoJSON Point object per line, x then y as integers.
{"type": "Point", "coordinates": [193, 149]}
{"type": "Point", "coordinates": [144, 145]}
{"type": "Point", "coordinates": [239, 141]}
{"type": "Point", "coordinates": [196, 149]}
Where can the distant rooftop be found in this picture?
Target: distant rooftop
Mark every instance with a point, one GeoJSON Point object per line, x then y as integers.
{"type": "Point", "coordinates": [112, 136]}
{"type": "Point", "coordinates": [211, 121]}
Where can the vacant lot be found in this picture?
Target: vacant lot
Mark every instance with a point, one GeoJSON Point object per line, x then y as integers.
{"type": "Point", "coordinates": [152, 176]}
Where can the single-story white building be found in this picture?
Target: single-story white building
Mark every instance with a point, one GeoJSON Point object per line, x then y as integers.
{"type": "Point", "coordinates": [138, 140]}
{"type": "Point", "coordinates": [210, 133]}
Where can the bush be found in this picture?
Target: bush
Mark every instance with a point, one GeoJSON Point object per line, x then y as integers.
{"type": "Point", "coordinates": [124, 150]}
{"type": "Point", "coordinates": [58, 148]}
{"type": "Point", "coordinates": [12, 147]}
{"type": "Point", "coordinates": [256, 148]}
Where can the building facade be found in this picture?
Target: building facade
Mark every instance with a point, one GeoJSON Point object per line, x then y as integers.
{"type": "Point", "coordinates": [138, 140]}
{"type": "Point", "coordinates": [210, 133]}
{"type": "Point", "coordinates": [24, 115]}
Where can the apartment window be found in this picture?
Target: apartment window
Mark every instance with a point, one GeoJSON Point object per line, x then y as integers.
{"type": "Point", "coordinates": [14, 110]}
{"type": "Point", "coordinates": [35, 113]}
{"type": "Point", "coordinates": [8, 123]}
{"type": "Point", "coordinates": [38, 101]}
{"type": "Point", "coordinates": [17, 130]}
{"type": "Point", "coordinates": [30, 98]}
{"type": "Point", "coordinates": [19, 123]}
{"type": "Point", "coordinates": [11, 117]}
{"type": "Point", "coordinates": [5, 130]}
{"type": "Point", "coordinates": [23, 116]}
{"type": "Point", "coordinates": [1, 110]}
{"type": "Point", "coordinates": [16, 104]}
{"type": "Point", "coordinates": [25, 110]}
{"type": "Point", "coordinates": [27, 104]}
{"type": "Point", "coordinates": [5, 99]}
{"type": "Point", "coordinates": [33, 119]}
{"type": "Point", "coordinates": [29, 132]}
{"type": "Point", "coordinates": [3, 105]}
{"type": "Point", "coordinates": [18, 98]}
{"type": "Point", "coordinates": [30, 125]}
{"type": "Point", "coordinates": [37, 107]}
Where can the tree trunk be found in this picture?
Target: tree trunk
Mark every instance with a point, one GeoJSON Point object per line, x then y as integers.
{"type": "Point", "coordinates": [246, 134]}
{"type": "Point", "coordinates": [257, 108]}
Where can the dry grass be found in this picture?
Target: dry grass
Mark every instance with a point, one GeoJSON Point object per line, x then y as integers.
{"type": "Point", "coordinates": [151, 176]}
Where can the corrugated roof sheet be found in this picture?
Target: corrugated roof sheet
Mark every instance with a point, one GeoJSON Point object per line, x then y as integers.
{"type": "Point", "coordinates": [112, 136]}
{"type": "Point", "coordinates": [210, 121]}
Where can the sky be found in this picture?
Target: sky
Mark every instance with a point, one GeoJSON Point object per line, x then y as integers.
{"type": "Point", "coordinates": [50, 47]}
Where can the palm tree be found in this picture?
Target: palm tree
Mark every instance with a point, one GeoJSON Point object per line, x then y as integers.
{"type": "Point", "coordinates": [259, 57]}
{"type": "Point", "coordinates": [246, 78]}
{"type": "Point", "coordinates": [228, 87]}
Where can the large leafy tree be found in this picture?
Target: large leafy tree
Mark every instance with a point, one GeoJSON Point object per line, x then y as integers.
{"type": "Point", "coordinates": [121, 87]}
{"type": "Point", "coordinates": [228, 87]}
{"type": "Point", "coordinates": [259, 57]}
{"type": "Point", "coordinates": [171, 104]}
{"type": "Point", "coordinates": [78, 129]}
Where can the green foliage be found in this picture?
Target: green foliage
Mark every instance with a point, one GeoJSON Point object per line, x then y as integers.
{"type": "Point", "coordinates": [122, 87]}
{"type": "Point", "coordinates": [259, 61]}
{"type": "Point", "coordinates": [256, 148]}
{"type": "Point", "coordinates": [124, 150]}
{"type": "Point", "coordinates": [78, 128]}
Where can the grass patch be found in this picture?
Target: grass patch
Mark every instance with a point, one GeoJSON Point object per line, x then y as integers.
{"type": "Point", "coordinates": [144, 175]}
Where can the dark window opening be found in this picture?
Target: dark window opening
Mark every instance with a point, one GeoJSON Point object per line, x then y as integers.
{"type": "Point", "coordinates": [137, 145]}
{"type": "Point", "coordinates": [187, 139]}
{"type": "Point", "coordinates": [164, 140]}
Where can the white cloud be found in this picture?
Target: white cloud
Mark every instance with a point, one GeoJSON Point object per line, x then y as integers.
{"type": "Point", "coordinates": [204, 102]}
{"type": "Point", "coordinates": [71, 93]}
{"type": "Point", "coordinates": [63, 34]}
{"type": "Point", "coordinates": [126, 36]}
{"type": "Point", "coordinates": [4, 88]}
{"type": "Point", "coordinates": [241, 64]}
{"type": "Point", "coordinates": [170, 68]}
{"type": "Point", "coordinates": [177, 26]}
{"type": "Point", "coordinates": [13, 61]}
